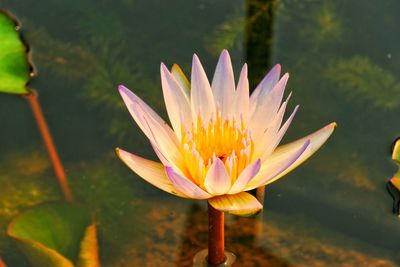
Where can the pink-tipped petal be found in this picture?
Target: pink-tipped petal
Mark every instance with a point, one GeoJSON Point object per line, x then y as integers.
{"type": "Point", "coordinates": [176, 102]}
{"type": "Point", "coordinates": [271, 170]}
{"type": "Point", "coordinates": [266, 108]}
{"type": "Point", "coordinates": [266, 84]}
{"type": "Point", "coordinates": [130, 99]}
{"type": "Point", "coordinates": [267, 138]}
{"type": "Point", "coordinates": [242, 99]}
{"type": "Point", "coordinates": [217, 181]}
{"type": "Point", "coordinates": [245, 177]}
{"type": "Point", "coordinates": [181, 79]}
{"type": "Point", "coordinates": [317, 139]}
{"type": "Point", "coordinates": [160, 136]}
{"type": "Point", "coordinates": [202, 99]}
{"type": "Point", "coordinates": [151, 171]}
{"type": "Point", "coordinates": [223, 84]}
{"type": "Point", "coordinates": [243, 204]}
{"type": "Point", "coordinates": [184, 185]}
{"type": "Point", "coordinates": [278, 137]}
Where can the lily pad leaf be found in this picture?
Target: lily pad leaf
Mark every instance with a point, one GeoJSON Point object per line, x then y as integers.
{"type": "Point", "coordinates": [88, 255]}
{"type": "Point", "coordinates": [15, 69]}
{"type": "Point", "coordinates": [56, 234]}
{"type": "Point", "coordinates": [393, 185]}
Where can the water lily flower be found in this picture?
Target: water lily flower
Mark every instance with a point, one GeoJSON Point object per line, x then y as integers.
{"type": "Point", "coordinates": [223, 142]}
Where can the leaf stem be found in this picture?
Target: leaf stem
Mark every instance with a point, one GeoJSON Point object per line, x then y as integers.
{"type": "Point", "coordinates": [216, 246]}
{"type": "Point", "coordinates": [2, 264]}
{"type": "Point", "coordinates": [32, 98]}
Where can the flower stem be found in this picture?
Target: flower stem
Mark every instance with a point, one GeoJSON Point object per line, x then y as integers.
{"type": "Point", "coordinates": [32, 98]}
{"type": "Point", "coordinates": [216, 247]}
{"type": "Point", "coordinates": [260, 194]}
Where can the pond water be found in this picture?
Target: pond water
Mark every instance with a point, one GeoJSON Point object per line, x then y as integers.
{"type": "Point", "coordinates": [344, 61]}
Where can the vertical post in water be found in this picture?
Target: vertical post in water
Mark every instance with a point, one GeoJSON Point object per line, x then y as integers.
{"type": "Point", "coordinates": [259, 38]}
{"type": "Point", "coordinates": [32, 98]}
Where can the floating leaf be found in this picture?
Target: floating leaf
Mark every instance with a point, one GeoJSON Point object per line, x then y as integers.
{"type": "Point", "coordinates": [396, 151]}
{"type": "Point", "coordinates": [15, 70]}
{"type": "Point", "coordinates": [56, 235]}
{"type": "Point", "coordinates": [393, 184]}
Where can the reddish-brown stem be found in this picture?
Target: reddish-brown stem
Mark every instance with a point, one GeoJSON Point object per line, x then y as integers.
{"type": "Point", "coordinates": [2, 264]}
{"type": "Point", "coordinates": [260, 194]}
{"type": "Point", "coordinates": [32, 98]}
{"type": "Point", "coordinates": [216, 245]}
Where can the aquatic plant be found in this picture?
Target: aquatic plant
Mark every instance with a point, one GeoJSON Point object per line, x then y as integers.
{"type": "Point", "coordinates": [15, 70]}
{"type": "Point", "coordinates": [360, 79]}
{"type": "Point", "coordinates": [15, 73]}
{"type": "Point", "coordinates": [56, 235]}
{"type": "Point", "coordinates": [393, 184]}
{"type": "Point", "coordinates": [223, 142]}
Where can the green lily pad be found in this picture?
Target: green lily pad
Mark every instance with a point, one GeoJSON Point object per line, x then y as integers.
{"type": "Point", "coordinates": [396, 151]}
{"type": "Point", "coordinates": [393, 185]}
{"type": "Point", "coordinates": [56, 235]}
{"type": "Point", "coordinates": [15, 70]}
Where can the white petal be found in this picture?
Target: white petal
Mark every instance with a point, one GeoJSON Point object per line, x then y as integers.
{"type": "Point", "coordinates": [217, 181]}
{"type": "Point", "coordinates": [185, 185]}
{"type": "Point", "coordinates": [181, 79]}
{"type": "Point", "coordinates": [223, 84]}
{"type": "Point", "coordinates": [266, 108]}
{"type": "Point", "coordinates": [129, 99]}
{"type": "Point", "coordinates": [265, 140]}
{"type": "Point", "coordinates": [151, 171]}
{"type": "Point", "coordinates": [278, 137]}
{"type": "Point", "coordinates": [317, 139]}
{"type": "Point", "coordinates": [202, 99]}
{"type": "Point", "coordinates": [242, 99]}
{"type": "Point", "coordinates": [158, 132]}
{"type": "Point", "coordinates": [245, 177]}
{"type": "Point", "coordinates": [270, 170]}
{"type": "Point", "coordinates": [265, 85]}
{"type": "Point", "coordinates": [176, 102]}
{"type": "Point", "coordinates": [243, 204]}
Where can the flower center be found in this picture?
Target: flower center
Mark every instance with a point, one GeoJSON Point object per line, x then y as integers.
{"type": "Point", "coordinates": [227, 139]}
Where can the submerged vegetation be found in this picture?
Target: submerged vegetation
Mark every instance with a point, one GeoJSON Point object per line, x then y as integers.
{"type": "Point", "coordinates": [360, 79]}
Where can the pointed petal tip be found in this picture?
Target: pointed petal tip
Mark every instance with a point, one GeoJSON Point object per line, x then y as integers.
{"type": "Point", "coordinates": [162, 66]}
{"type": "Point", "coordinates": [175, 67]}
{"type": "Point", "coordinates": [120, 153]}
{"type": "Point", "coordinates": [122, 87]}
{"type": "Point", "coordinates": [332, 125]}
{"type": "Point", "coordinates": [225, 53]}
{"type": "Point", "coordinates": [164, 70]}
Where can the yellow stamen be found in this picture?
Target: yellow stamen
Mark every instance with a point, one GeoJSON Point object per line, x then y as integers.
{"type": "Point", "coordinates": [227, 139]}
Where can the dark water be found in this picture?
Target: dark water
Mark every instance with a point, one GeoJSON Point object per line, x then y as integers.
{"type": "Point", "coordinates": [344, 61]}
